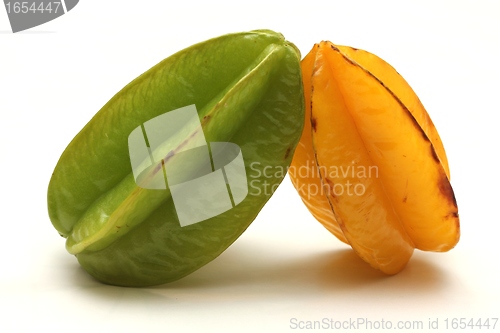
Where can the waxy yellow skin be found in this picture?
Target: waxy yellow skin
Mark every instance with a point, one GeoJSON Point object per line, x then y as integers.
{"type": "Point", "coordinates": [371, 149]}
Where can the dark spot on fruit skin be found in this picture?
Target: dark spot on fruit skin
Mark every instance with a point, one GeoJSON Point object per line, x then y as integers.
{"type": "Point", "coordinates": [405, 198]}
{"type": "Point", "coordinates": [447, 191]}
{"type": "Point", "coordinates": [207, 117]}
{"type": "Point", "coordinates": [313, 124]}
{"type": "Point", "coordinates": [434, 155]}
{"type": "Point", "coordinates": [287, 153]}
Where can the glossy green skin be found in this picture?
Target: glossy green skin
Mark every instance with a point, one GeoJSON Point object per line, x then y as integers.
{"type": "Point", "coordinates": [247, 89]}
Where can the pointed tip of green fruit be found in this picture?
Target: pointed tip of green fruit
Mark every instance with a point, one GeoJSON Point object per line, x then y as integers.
{"type": "Point", "coordinates": [297, 51]}
{"type": "Point", "coordinates": [280, 35]}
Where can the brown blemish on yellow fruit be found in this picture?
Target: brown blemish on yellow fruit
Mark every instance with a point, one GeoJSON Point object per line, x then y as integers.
{"type": "Point", "coordinates": [446, 189]}
{"type": "Point", "coordinates": [313, 124]}
{"type": "Point", "coordinates": [434, 155]}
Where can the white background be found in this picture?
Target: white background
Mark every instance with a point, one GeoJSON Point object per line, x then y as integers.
{"type": "Point", "coordinates": [55, 77]}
